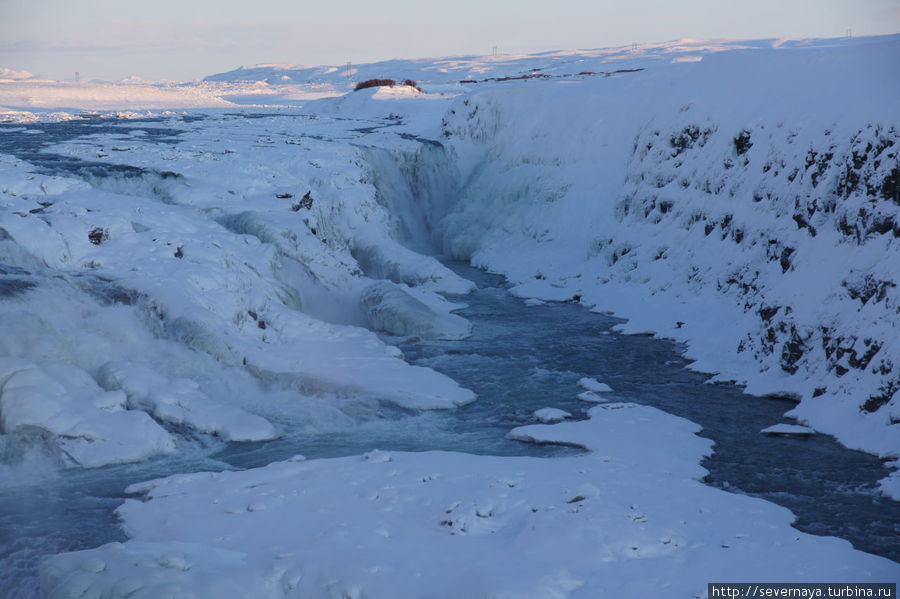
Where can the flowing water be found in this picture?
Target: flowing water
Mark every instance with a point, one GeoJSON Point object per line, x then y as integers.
{"type": "Point", "coordinates": [519, 358]}
{"type": "Point", "coordinates": [516, 367]}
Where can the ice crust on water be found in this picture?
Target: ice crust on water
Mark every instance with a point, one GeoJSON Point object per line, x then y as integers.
{"type": "Point", "coordinates": [91, 426]}
{"type": "Point", "coordinates": [890, 486]}
{"type": "Point", "coordinates": [593, 385]}
{"type": "Point", "coordinates": [788, 429]}
{"type": "Point", "coordinates": [592, 397]}
{"type": "Point", "coordinates": [387, 259]}
{"type": "Point", "coordinates": [551, 415]}
{"type": "Point", "coordinates": [180, 401]}
{"type": "Point", "coordinates": [388, 307]}
{"type": "Point", "coordinates": [628, 519]}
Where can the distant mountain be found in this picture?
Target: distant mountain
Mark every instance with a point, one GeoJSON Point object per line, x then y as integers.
{"type": "Point", "coordinates": [478, 68]}
{"type": "Point", "coordinates": [275, 73]}
{"type": "Point", "coordinates": [10, 74]}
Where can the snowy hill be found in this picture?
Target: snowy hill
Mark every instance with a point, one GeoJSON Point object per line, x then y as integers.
{"type": "Point", "coordinates": [278, 73]}
{"type": "Point", "coordinates": [476, 68]}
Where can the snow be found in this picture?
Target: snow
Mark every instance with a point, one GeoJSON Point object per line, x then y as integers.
{"type": "Point", "coordinates": [890, 486]}
{"type": "Point", "coordinates": [748, 212]}
{"type": "Point", "coordinates": [389, 308]}
{"type": "Point", "coordinates": [180, 401]}
{"type": "Point", "coordinates": [12, 75]}
{"type": "Point", "coordinates": [210, 312]}
{"type": "Point", "coordinates": [591, 397]}
{"type": "Point", "coordinates": [442, 71]}
{"type": "Point", "coordinates": [26, 95]}
{"type": "Point", "coordinates": [733, 196]}
{"type": "Point", "coordinates": [229, 281]}
{"type": "Point", "coordinates": [593, 385]}
{"type": "Point", "coordinates": [551, 415]}
{"type": "Point", "coordinates": [788, 429]}
{"type": "Point", "coordinates": [91, 425]}
{"type": "Point", "coordinates": [628, 519]}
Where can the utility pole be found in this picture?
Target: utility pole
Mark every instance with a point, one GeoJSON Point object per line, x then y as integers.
{"type": "Point", "coordinates": [849, 34]}
{"type": "Point", "coordinates": [348, 69]}
{"type": "Point", "coordinates": [494, 51]}
{"type": "Point", "coordinates": [77, 76]}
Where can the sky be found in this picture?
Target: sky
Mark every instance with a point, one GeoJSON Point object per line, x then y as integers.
{"type": "Point", "coordinates": [189, 39]}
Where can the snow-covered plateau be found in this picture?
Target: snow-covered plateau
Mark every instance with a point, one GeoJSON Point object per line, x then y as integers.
{"type": "Point", "coordinates": [237, 260]}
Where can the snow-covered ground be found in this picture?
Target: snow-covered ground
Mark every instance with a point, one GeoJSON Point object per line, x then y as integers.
{"type": "Point", "coordinates": [25, 99]}
{"type": "Point", "coordinates": [222, 272]}
{"type": "Point", "coordinates": [627, 520]}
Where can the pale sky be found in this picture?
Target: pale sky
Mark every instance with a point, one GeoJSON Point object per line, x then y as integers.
{"type": "Point", "coordinates": [189, 39]}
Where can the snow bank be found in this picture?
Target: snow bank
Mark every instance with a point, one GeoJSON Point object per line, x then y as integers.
{"type": "Point", "coordinates": [746, 204]}
{"type": "Point", "coordinates": [25, 95]}
{"type": "Point", "coordinates": [629, 519]}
